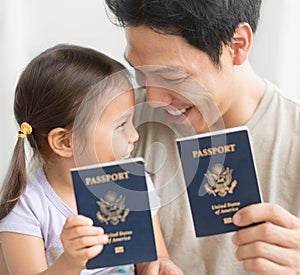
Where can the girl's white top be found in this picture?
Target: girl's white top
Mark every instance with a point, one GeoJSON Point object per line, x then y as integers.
{"type": "Point", "coordinates": [40, 212]}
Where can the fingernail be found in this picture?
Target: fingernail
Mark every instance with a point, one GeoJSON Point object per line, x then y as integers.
{"type": "Point", "coordinates": [237, 219]}
{"type": "Point", "coordinates": [101, 231]}
{"type": "Point", "coordinates": [105, 239]}
{"type": "Point", "coordinates": [90, 222]}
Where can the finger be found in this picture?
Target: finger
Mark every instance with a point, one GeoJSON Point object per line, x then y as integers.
{"type": "Point", "coordinates": [89, 241]}
{"type": "Point", "coordinates": [77, 220]}
{"type": "Point", "coordinates": [264, 267]}
{"type": "Point", "coordinates": [265, 212]}
{"type": "Point", "coordinates": [153, 268]}
{"type": "Point", "coordinates": [270, 233]}
{"type": "Point", "coordinates": [83, 242]}
{"type": "Point", "coordinates": [276, 254]}
{"type": "Point", "coordinates": [90, 252]}
{"type": "Point", "coordinates": [167, 267]}
{"type": "Point", "coordinates": [79, 231]}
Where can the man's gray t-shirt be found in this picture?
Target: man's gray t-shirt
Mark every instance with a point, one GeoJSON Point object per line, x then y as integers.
{"type": "Point", "coordinates": [275, 137]}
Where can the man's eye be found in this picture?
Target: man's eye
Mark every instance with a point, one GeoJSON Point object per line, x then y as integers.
{"type": "Point", "coordinates": [174, 78]}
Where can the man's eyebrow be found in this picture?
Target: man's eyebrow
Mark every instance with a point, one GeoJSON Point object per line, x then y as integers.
{"type": "Point", "coordinates": [160, 69]}
{"type": "Point", "coordinates": [165, 69]}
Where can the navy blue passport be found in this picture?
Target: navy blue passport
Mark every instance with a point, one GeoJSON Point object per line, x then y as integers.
{"type": "Point", "coordinates": [221, 178]}
{"type": "Point", "coordinates": [114, 195]}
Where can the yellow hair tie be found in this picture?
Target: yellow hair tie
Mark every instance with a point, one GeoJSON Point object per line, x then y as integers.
{"type": "Point", "coordinates": [25, 130]}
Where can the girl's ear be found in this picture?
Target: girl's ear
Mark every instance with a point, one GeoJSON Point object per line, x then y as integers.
{"type": "Point", "coordinates": [241, 43]}
{"type": "Point", "coordinates": [60, 141]}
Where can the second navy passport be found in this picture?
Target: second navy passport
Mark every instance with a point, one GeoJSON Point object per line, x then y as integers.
{"type": "Point", "coordinates": [115, 197]}
{"type": "Point", "coordinates": [221, 178]}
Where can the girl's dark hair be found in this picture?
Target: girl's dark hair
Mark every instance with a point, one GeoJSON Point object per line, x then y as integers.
{"type": "Point", "coordinates": [205, 24]}
{"type": "Point", "coordinates": [48, 95]}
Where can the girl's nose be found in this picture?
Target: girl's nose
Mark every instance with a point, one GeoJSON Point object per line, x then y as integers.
{"type": "Point", "coordinates": [134, 136]}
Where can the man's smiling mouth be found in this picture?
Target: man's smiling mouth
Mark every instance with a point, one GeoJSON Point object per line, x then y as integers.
{"type": "Point", "coordinates": [177, 113]}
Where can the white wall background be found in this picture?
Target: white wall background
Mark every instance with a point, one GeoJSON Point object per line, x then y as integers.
{"type": "Point", "coordinates": [276, 51]}
{"type": "Point", "coordinates": [29, 27]}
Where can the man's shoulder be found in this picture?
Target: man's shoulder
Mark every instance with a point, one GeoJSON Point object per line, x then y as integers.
{"type": "Point", "coordinates": [287, 101]}
{"type": "Point", "coordinates": [288, 109]}
{"type": "Point", "coordinates": [276, 109]}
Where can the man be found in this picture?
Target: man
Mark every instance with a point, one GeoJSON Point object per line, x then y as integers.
{"type": "Point", "coordinates": [192, 57]}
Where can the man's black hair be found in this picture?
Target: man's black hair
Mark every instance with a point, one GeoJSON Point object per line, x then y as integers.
{"type": "Point", "coordinates": [205, 24]}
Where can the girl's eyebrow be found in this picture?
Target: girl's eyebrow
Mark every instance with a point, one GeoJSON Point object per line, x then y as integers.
{"type": "Point", "coordinates": [125, 115]}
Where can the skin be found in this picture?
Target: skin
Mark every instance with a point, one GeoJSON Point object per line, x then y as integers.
{"type": "Point", "coordinates": [81, 240]}
{"type": "Point", "coordinates": [226, 96]}
{"type": "Point", "coordinates": [3, 268]}
{"type": "Point", "coordinates": [111, 134]}
{"type": "Point", "coordinates": [197, 78]}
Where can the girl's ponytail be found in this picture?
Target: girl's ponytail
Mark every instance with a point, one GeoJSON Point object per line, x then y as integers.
{"type": "Point", "coordinates": [15, 181]}
{"type": "Point", "coordinates": [48, 94]}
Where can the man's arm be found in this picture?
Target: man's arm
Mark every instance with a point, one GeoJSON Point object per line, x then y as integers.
{"type": "Point", "coordinates": [3, 267]}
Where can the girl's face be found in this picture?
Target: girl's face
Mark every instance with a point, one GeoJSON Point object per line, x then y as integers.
{"type": "Point", "coordinates": [114, 134]}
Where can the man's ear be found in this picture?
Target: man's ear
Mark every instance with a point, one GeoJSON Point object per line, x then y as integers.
{"type": "Point", "coordinates": [241, 43]}
{"type": "Point", "coordinates": [60, 141]}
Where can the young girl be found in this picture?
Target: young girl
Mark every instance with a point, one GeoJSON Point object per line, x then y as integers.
{"type": "Point", "coordinates": [75, 107]}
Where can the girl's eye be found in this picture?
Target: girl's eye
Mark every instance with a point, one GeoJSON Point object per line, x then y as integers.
{"type": "Point", "coordinates": [121, 124]}
{"type": "Point", "coordinates": [177, 80]}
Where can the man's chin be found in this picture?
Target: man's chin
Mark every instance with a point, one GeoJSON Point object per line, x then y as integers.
{"type": "Point", "coordinates": [174, 119]}
{"type": "Point", "coordinates": [188, 129]}
{"type": "Point", "coordinates": [185, 129]}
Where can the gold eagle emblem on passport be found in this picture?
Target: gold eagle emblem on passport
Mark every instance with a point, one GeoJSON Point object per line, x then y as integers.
{"type": "Point", "coordinates": [219, 181]}
{"type": "Point", "coordinates": [112, 209]}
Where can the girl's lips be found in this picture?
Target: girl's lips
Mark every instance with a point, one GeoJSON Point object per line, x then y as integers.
{"type": "Point", "coordinates": [177, 116]}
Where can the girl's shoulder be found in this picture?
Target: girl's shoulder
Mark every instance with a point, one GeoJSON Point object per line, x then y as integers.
{"type": "Point", "coordinates": [42, 196]}
{"type": "Point", "coordinates": [27, 215]}
{"type": "Point", "coordinates": [35, 193]}
{"type": "Point", "coordinates": [39, 209]}
{"type": "Point", "coordinates": [36, 182]}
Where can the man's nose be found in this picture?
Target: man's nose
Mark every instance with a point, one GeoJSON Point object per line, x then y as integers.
{"type": "Point", "coordinates": [158, 97]}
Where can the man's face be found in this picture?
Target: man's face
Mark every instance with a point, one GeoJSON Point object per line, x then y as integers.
{"type": "Point", "coordinates": [181, 79]}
